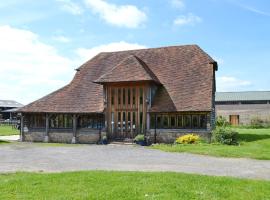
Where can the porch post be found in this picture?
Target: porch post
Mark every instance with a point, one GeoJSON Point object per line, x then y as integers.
{"type": "Point", "coordinates": [155, 136]}
{"type": "Point", "coordinates": [46, 137]}
{"type": "Point", "coordinates": [22, 128]}
{"type": "Point", "coordinates": [74, 129]}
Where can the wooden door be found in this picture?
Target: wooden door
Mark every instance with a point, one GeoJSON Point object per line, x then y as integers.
{"type": "Point", "coordinates": [126, 111]}
{"type": "Point", "coordinates": [234, 120]}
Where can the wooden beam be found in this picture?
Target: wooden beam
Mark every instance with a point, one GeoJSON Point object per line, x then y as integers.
{"type": "Point", "coordinates": [46, 136]}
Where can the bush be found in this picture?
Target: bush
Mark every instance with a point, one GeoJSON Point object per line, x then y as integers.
{"type": "Point", "coordinates": [139, 138]}
{"type": "Point", "coordinates": [225, 135]}
{"type": "Point", "coordinates": [221, 121]}
{"type": "Point", "coordinates": [187, 139]}
{"type": "Point", "coordinates": [257, 122]}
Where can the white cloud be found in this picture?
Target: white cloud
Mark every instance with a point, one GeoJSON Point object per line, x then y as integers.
{"type": "Point", "coordinates": [229, 83]}
{"type": "Point", "coordinates": [178, 4]}
{"type": "Point", "coordinates": [71, 7]}
{"type": "Point", "coordinates": [119, 15]}
{"type": "Point", "coordinates": [189, 19]}
{"type": "Point", "coordinates": [29, 68]}
{"type": "Point", "coordinates": [61, 38]}
{"type": "Point", "coordinates": [86, 54]}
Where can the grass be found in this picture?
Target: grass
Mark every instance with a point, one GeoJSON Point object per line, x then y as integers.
{"type": "Point", "coordinates": [7, 130]}
{"type": "Point", "coordinates": [254, 143]}
{"type": "Point", "coordinates": [129, 185]}
{"type": "Point", "coordinates": [4, 142]}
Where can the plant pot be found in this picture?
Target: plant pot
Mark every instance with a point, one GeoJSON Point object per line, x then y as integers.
{"type": "Point", "coordinates": [142, 143]}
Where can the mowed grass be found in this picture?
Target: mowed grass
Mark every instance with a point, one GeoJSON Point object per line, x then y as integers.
{"type": "Point", "coordinates": [8, 130]}
{"type": "Point", "coordinates": [129, 185]}
{"type": "Point", "coordinates": [254, 143]}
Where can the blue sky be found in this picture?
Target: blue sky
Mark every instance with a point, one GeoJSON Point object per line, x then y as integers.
{"type": "Point", "coordinates": [42, 42]}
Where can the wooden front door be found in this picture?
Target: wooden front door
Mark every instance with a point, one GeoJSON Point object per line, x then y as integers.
{"type": "Point", "coordinates": [234, 120]}
{"type": "Point", "coordinates": [126, 111]}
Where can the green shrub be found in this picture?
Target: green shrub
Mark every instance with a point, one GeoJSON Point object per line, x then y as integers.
{"type": "Point", "coordinates": [225, 135]}
{"type": "Point", "coordinates": [139, 138]}
{"type": "Point", "coordinates": [257, 122]}
{"type": "Point", "coordinates": [221, 121]}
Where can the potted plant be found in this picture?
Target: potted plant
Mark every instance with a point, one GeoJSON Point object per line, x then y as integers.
{"type": "Point", "coordinates": [104, 140]}
{"type": "Point", "coordinates": [139, 139]}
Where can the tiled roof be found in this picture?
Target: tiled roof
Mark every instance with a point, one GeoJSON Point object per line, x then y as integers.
{"type": "Point", "coordinates": [131, 69]}
{"type": "Point", "coordinates": [243, 96]}
{"type": "Point", "coordinates": [185, 73]}
{"type": "Point", "coordinates": [10, 104]}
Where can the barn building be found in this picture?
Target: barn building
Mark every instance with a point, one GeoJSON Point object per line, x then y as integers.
{"type": "Point", "coordinates": [239, 108]}
{"type": "Point", "coordinates": [159, 92]}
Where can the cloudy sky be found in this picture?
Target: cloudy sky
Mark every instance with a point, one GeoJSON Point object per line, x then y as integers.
{"type": "Point", "coordinates": [42, 42]}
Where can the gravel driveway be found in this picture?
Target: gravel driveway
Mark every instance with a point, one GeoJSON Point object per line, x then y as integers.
{"type": "Point", "coordinates": [45, 157]}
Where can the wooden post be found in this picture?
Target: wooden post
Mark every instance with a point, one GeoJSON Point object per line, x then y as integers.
{"type": "Point", "coordinates": [155, 136]}
{"type": "Point", "coordinates": [46, 137]}
{"type": "Point", "coordinates": [74, 128]}
{"type": "Point", "coordinates": [22, 129]}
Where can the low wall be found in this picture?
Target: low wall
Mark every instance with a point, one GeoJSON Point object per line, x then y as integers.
{"type": "Point", "coordinates": [83, 136]}
{"type": "Point", "coordinates": [34, 136]}
{"type": "Point", "coordinates": [170, 135]}
{"type": "Point", "coordinates": [87, 136]}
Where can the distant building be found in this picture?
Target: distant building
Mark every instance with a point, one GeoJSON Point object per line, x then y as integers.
{"type": "Point", "coordinates": [7, 107]}
{"type": "Point", "coordinates": [241, 107]}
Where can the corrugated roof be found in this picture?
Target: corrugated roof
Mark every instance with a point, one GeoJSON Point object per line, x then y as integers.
{"type": "Point", "coordinates": [10, 104]}
{"type": "Point", "coordinates": [243, 96]}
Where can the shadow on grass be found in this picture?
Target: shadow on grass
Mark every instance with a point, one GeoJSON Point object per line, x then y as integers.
{"type": "Point", "coordinates": [4, 142]}
{"type": "Point", "coordinates": [252, 137]}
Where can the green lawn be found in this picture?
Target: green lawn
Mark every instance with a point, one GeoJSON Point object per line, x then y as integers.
{"type": "Point", "coordinates": [7, 130]}
{"type": "Point", "coordinates": [254, 143]}
{"type": "Point", "coordinates": [129, 185]}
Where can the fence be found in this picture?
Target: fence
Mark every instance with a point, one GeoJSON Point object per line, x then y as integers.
{"type": "Point", "coordinates": [13, 123]}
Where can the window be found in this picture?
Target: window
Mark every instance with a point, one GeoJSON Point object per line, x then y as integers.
{"type": "Point", "coordinates": [165, 121]}
{"type": "Point", "coordinates": [112, 125]}
{"type": "Point", "coordinates": [152, 121]}
{"type": "Point", "coordinates": [141, 95]}
{"type": "Point", "coordinates": [195, 121]}
{"type": "Point", "coordinates": [159, 125]}
{"type": "Point", "coordinates": [134, 96]}
{"type": "Point", "coordinates": [129, 96]}
{"type": "Point", "coordinates": [203, 123]}
{"type": "Point", "coordinates": [172, 121]}
{"type": "Point", "coordinates": [134, 121]}
{"type": "Point", "coordinates": [129, 123]}
{"type": "Point", "coordinates": [92, 121]}
{"type": "Point", "coordinates": [112, 97]}
{"type": "Point", "coordinates": [187, 121]}
{"type": "Point", "coordinates": [37, 121]}
{"type": "Point", "coordinates": [180, 121]}
{"type": "Point", "coordinates": [141, 121]}
{"type": "Point", "coordinates": [61, 121]}
{"type": "Point", "coordinates": [119, 96]}
{"type": "Point", "coordinates": [124, 96]}
{"type": "Point", "coordinates": [124, 121]}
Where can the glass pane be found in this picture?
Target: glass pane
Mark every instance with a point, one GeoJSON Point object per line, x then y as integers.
{"type": "Point", "coordinates": [124, 96]}
{"type": "Point", "coordinates": [195, 121]}
{"type": "Point", "coordinates": [124, 120]}
{"type": "Point", "coordinates": [172, 121]}
{"type": "Point", "coordinates": [180, 121]}
{"type": "Point", "coordinates": [165, 121]}
{"type": "Point", "coordinates": [141, 122]}
{"type": "Point", "coordinates": [112, 123]}
{"type": "Point", "coordinates": [134, 121]}
{"type": "Point", "coordinates": [134, 96]}
{"type": "Point", "coordinates": [159, 125]}
{"type": "Point", "coordinates": [152, 121]}
{"type": "Point", "coordinates": [129, 123]}
{"type": "Point", "coordinates": [187, 121]}
{"type": "Point", "coordinates": [128, 96]}
{"type": "Point", "coordinates": [119, 96]}
{"type": "Point", "coordinates": [203, 121]}
{"type": "Point", "coordinates": [119, 121]}
{"type": "Point", "coordinates": [141, 95]}
{"type": "Point", "coordinates": [112, 96]}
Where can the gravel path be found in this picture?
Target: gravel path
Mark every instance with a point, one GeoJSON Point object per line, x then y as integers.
{"type": "Point", "coordinates": [45, 157]}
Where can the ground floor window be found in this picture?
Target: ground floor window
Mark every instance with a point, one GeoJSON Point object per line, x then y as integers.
{"type": "Point", "coordinates": [61, 121]}
{"type": "Point", "coordinates": [91, 121]}
{"type": "Point", "coordinates": [178, 121]}
{"type": "Point", "coordinates": [36, 121]}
